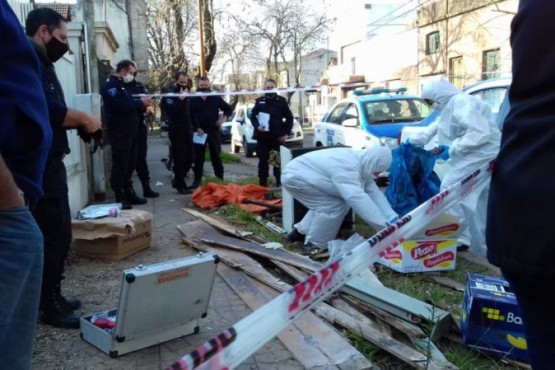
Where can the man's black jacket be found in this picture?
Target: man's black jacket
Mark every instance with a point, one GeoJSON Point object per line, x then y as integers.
{"type": "Point", "coordinates": [278, 109]}
{"type": "Point", "coordinates": [120, 108]}
{"type": "Point", "coordinates": [179, 111]}
{"type": "Point", "coordinates": [206, 111]}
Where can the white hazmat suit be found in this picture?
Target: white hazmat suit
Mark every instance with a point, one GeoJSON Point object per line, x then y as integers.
{"type": "Point", "coordinates": [465, 125]}
{"type": "Point", "coordinates": [331, 181]}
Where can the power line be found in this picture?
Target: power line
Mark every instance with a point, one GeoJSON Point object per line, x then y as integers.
{"type": "Point", "coordinates": [398, 16]}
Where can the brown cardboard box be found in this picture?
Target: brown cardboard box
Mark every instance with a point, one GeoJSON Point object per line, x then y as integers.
{"type": "Point", "coordinates": [127, 235]}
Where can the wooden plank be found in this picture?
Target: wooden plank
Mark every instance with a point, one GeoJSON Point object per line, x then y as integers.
{"type": "Point", "coordinates": [254, 269]}
{"type": "Point", "coordinates": [223, 226]}
{"type": "Point", "coordinates": [329, 342]}
{"type": "Point", "coordinates": [292, 271]}
{"type": "Point", "coordinates": [401, 325]}
{"type": "Point", "coordinates": [397, 349]}
{"type": "Point", "coordinates": [325, 349]}
{"type": "Point", "coordinates": [206, 234]}
{"type": "Point", "coordinates": [449, 283]}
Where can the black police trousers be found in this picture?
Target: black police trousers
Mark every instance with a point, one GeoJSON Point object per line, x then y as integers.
{"type": "Point", "coordinates": [263, 149]}
{"type": "Point", "coordinates": [54, 219]}
{"type": "Point", "coordinates": [124, 159]}
{"type": "Point", "coordinates": [215, 146]}
{"type": "Point", "coordinates": [142, 167]}
{"type": "Point", "coordinates": [181, 139]}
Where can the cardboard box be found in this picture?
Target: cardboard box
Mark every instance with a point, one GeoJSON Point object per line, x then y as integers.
{"type": "Point", "coordinates": [113, 238]}
{"type": "Point", "coordinates": [491, 320]}
{"type": "Point", "coordinates": [434, 248]}
{"type": "Point", "coordinates": [157, 303]}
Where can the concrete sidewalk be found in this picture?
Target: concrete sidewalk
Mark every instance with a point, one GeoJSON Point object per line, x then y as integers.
{"type": "Point", "coordinates": [97, 284]}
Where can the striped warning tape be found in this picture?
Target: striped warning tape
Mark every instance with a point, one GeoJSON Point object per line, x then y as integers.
{"type": "Point", "coordinates": [236, 344]}
{"type": "Point", "coordinates": [251, 91]}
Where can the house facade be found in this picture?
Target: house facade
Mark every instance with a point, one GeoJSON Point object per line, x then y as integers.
{"type": "Point", "coordinates": [406, 44]}
{"type": "Point", "coordinates": [98, 37]}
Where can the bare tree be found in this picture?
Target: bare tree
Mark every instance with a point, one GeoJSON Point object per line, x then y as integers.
{"type": "Point", "coordinates": [170, 24]}
{"type": "Point", "coordinates": [286, 29]}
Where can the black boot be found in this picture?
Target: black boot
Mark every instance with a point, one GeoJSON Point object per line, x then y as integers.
{"type": "Point", "coordinates": [196, 183]}
{"type": "Point", "coordinates": [148, 192]}
{"type": "Point", "coordinates": [54, 311]}
{"type": "Point", "coordinates": [263, 182]}
{"type": "Point", "coordinates": [72, 304]}
{"type": "Point", "coordinates": [133, 198]}
{"type": "Point", "coordinates": [122, 198]}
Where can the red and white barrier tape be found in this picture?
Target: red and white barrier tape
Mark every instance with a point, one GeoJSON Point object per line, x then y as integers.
{"type": "Point", "coordinates": [236, 344]}
{"type": "Point", "coordinates": [250, 91]}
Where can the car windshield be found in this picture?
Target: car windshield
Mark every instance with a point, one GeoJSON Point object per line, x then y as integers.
{"type": "Point", "coordinates": [396, 110]}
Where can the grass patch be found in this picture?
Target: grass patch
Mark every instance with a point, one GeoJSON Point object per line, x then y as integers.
{"type": "Point", "coordinates": [226, 157]}
{"type": "Point", "coordinates": [233, 212]}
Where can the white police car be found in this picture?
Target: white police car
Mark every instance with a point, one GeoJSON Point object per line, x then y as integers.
{"type": "Point", "coordinates": [370, 118]}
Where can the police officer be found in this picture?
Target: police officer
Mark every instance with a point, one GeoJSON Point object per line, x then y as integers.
{"type": "Point", "coordinates": [47, 30]}
{"type": "Point", "coordinates": [123, 127]}
{"type": "Point", "coordinates": [137, 87]}
{"type": "Point", "coordinates": [273, 110]}
{"type": "Point", "coordinates": [178, 110]}
{"type": "Point", "coordinates": [207, 120]}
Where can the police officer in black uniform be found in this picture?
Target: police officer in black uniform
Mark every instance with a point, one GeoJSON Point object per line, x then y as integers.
{"type": "Point", "coordinates": [47, 31]}
{"type": "Point", "coordinates": [270, 140]}
{"type": "Point", "coordinates": [207, 120]}
{"type": "Point", "coordinates": [137, 87]}
{"type": "Point", "coordinates": [123, 127]}
{"type": "Point", "coordinates": [178, 110]}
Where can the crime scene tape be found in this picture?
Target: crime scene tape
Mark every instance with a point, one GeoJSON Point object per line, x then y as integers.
{"type": "Point", "coordinates": [249, 91]}
{"type": "Point", "coordinates": [236, 344]}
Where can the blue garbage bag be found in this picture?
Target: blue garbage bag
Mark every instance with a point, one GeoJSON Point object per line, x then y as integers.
{"type": "Point", "coordinates": [412, 179]}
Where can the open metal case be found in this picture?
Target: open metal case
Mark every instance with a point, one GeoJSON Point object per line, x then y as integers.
{"type": "Point", "coordinates": [158, 302]}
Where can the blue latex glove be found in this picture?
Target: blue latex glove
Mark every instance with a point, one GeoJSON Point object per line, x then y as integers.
{"type": "Point", "coordinates": [441, 152]}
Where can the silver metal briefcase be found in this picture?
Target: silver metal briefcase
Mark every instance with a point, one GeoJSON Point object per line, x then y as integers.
{"type": "Point", "coordinates": [157, 303]}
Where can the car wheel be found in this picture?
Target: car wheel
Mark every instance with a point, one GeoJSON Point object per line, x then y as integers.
{"type": "Point", "coordinates": [249, 152]}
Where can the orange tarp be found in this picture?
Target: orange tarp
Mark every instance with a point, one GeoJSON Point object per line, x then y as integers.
{"type": "Point", "coordinates": [215, 195]}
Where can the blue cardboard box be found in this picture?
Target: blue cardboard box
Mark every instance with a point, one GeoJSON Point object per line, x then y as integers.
{"type": "Point", "coordinates": [491, 320]}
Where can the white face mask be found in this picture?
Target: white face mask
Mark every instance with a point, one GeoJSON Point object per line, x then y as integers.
{"type": "Point", "coordinates": [128, 78]}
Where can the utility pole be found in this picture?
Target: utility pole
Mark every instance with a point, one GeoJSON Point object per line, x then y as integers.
{"type": "Point", "coordinates": [202, 71]}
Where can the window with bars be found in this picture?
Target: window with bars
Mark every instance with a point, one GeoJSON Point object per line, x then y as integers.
{"type": "Point", "coordinates": [432, 43]}
{"type": "Point", "coordinates": [491, 64]}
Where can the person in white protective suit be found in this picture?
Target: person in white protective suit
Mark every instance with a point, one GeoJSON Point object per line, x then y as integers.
{"type": "Point", "coordinates": [331, 181]}
{"type": "Point", "coordinates": [468, 138]}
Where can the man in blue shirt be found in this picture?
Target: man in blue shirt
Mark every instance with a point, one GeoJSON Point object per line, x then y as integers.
{"type": "Point", "coordinates": [47, 31]}
{"type": "Point", "coordinates": [25, 138]}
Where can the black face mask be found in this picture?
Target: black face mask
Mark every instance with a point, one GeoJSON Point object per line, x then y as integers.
{"type": "Point", "coordinates": [55, 49]}
{"type": "Point", "coordinates": [206, 89]}
{"type": "Point", "coordinates": [271, 96]}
